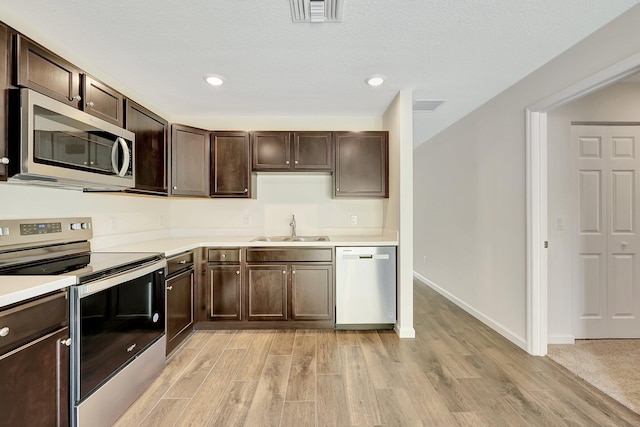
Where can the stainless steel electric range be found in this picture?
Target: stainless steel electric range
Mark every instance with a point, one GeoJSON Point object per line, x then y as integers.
{"type": "Point", "coordinates": [117, 311]}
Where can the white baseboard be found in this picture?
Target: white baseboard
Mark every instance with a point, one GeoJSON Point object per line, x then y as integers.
{"type": "Point", "coordinates": [561, 339]}
{"type": "Point", "coordinates": [517, 340]}
{"type": "Point", "coordinates": [404, 332]}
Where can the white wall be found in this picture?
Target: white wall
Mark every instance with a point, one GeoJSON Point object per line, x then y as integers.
{"type": "Point", "coordinates": [117, 218]}
{"type": "Point", "coordinates": [469, 181]}
{"type": "Point", "coordinates": [398, 209]}
{"type": "Point", "coordinates": [617, 103]}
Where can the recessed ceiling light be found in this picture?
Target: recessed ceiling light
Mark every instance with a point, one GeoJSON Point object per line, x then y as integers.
{"type": "Point", "coordinates": [213, 80]}
{"type": "Point", "coordinates": [375, 80]}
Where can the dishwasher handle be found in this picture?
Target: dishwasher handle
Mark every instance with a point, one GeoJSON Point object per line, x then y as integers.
{"type": "Point", "coordinates": [365, 256]}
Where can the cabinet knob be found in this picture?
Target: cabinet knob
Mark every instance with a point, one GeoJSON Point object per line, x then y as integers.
{"type": "Point", "coordinates": [75, 98]}
{"type": "Point", "coordinates": [284, 271]}
{"type": "Point", "coordinates": [224, 255]}
{"type": "Point", "coordinates": [184, 261]}
{"type": "Point", "coordinates": [66, 343]}
{"type": "Point", "coordinates": [90, 104]}
{"type": "Point", "coordinates": [287, 162]}
{"type": "Point", "coordinates": [169, 288]}
{"type": "Point", "coordinates": [5, 161]}
{"type": "Point", "coordinates": [246, 190]}
{"type": "Point", "coordinates": [4, 331]}
{"type": "Point", "coordinates": [293, 272]}
{"type": "Point", "coordinates": [296, 162]}
{"type": "Point", "coordinates": [238, 272]}
{"type": "Point", "coordinates": [175, 187]}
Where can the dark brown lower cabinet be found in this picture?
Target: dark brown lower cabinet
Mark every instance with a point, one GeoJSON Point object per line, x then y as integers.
{"type": "Point", "coordinates": [267, 294]}
{"type": "Point", "coordinates": [224, 289]}
{"type": "Point", "coordinates": [179, 308]}
{"type": "Point", "coordinates": [311, 292]}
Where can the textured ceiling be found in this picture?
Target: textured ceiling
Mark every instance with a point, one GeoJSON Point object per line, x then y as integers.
{"type": "Point", "coordinates": [464, 51]}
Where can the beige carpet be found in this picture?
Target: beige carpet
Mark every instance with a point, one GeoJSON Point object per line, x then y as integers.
{"type": "Point", "coordinates": [612, 366]}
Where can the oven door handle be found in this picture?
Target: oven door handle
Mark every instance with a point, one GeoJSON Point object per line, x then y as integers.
{"type": "Point", "coordinates": [108, 282]}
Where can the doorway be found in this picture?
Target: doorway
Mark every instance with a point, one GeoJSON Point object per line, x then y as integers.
{"type": "Point", "coordinates": [537, 195]}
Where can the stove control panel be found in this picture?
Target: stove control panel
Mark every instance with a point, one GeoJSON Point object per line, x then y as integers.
{"type": "Point", "coordinates": [26, 232]}
{"type": "Point", "coordinates": [40, 228]}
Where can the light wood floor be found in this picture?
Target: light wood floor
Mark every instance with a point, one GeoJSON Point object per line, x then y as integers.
{"type": "Point", "coordinates": [457, 372]}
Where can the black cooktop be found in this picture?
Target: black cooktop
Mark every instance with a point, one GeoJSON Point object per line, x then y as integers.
{"type": "Point", "coordinates": [86, 266]}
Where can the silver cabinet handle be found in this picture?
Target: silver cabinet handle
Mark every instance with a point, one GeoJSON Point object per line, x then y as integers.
{"type": "Point", "coordinates": [4, 331]}
{"type": "Point", "coordinates": [66, 343]}
{"type": "Point", "coordinates": [169, 288]}
{"type": "Point", "coordinates": [184, 261]}
{"type": "Point", "coordinates": [75, 98]}
{"type": "Point", "coordinates": [130, 348]}
{"type": "Point", "coordinates": [5, 161]}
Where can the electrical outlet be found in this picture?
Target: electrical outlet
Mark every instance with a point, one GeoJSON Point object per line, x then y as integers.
{"type": "Point", "coordinates": [354, 219]}
{"type": "Point", "coordinates": [247, 220]}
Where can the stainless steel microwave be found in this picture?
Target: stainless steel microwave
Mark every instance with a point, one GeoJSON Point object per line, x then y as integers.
{"type": "Point", "coordinates": [51, 143]}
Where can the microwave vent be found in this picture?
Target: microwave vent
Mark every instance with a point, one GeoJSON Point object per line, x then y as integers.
{"type": "Point", "coordinates": [316, 11]}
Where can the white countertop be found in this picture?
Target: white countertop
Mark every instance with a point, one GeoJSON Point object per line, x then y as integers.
{"type": "Point", "coordinates": [19, 288]}
{"type": "Point", "coordinates": [173, 246]}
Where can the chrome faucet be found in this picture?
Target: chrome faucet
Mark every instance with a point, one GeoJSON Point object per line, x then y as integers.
{"type": "Point", "coordinates": [293, 226]}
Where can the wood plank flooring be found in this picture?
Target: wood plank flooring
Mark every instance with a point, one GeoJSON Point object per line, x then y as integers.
{"type": "Point", "coordinates": [457, 372]}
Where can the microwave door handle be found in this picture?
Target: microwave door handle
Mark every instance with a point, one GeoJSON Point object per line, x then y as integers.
{"type": "Point", "coordinates": [126, 156]}
{"type": "Point", "coordinates": [120, 142]}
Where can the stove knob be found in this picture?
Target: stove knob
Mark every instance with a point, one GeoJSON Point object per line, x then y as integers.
{"type": "Point", "coordinates": [75, 226]}
{"type": "Point", "coordinates": [4, 231]}
{"type": "Point", "coordinates": [85, 225]}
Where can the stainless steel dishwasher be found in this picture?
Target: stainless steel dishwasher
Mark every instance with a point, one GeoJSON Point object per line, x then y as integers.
{"type": "Point", "coordinates": [365, 287]}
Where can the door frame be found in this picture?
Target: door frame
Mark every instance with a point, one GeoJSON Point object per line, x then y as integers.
{"type": "Point", "coordinates": [537, 197]}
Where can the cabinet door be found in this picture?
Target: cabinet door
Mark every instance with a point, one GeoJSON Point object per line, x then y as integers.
{"type": "Point", "coordinates": [35, 383]}
{"type": "Point", "coordinates": [230, 164]}
{"type": "Point", "coordinates": [267, 292]}
{"type": "Point", "coordinates": [4, 85]}
{"type": "Point", "coordinates": [189, 161]}
{"type": "Point", "coordinates": [312, 292]}
{"type": "Point", "coordinates": [45, 72]}
{"type": "Point", "coordinates": [101, 101]}
{"type": "Point", "coordinates": [362, 165]}
{"type": "Point", "coordinates": [313, 151]}
{"type": "Point", "coordinates": [179, 308]}
{"type": "Point", "coordinates": [150, 147]}
{"type": "Point", "coordinates": [271, 151]}
{"type": "Point", "coordinates": [224, 290]}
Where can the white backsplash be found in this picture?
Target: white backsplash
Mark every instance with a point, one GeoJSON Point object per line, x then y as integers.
{"type": "Point", "coordinates": [124, 218]}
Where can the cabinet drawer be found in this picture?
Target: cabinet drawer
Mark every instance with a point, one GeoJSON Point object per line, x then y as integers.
{"type": "Point", "coordinates": [223, 255]}
{"type": "Point", "coordinates": [290, 254]}
{"type": "Point", "coordinates": [179, 262]}
{"type": "Point", "coordinates": [32, 320]}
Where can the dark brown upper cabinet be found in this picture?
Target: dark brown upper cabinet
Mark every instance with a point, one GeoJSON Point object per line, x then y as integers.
{"type": "Point", "coordinates": [313, 151]}
{"type": "Point", "coordinates": [4, 86]}
{"type": "Point", "coordinates": [362, 164]}
{"type": "Point", "coordinates": [271, 151]}
{"type": "Point", "coordinates": [230, 164]}
{"type": "Point", "coordinates": [101, 101]}
{"type": "Point", "coordinates": [292, 151]}
{"type": "Point", "coordinates": [43, 71]}
{"type": "Point", "coordinates": [189, 161]}
{"type": "Point", "coordinates": [151, 148]}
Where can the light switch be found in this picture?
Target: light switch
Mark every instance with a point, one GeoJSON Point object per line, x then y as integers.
{"type": "Point", "coordinates": [559, 223]}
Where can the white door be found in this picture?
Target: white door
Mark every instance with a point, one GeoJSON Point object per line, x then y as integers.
{"type": "Point", "coordinates": [607, 292]}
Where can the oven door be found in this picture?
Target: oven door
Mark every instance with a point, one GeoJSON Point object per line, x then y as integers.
{"type": "Point", "coordinates": [115, 319]}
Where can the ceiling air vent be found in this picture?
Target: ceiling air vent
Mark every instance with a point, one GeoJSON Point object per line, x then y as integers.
{"type": "Point", "coordinates": [427, 105]}
{"type": "Point", "coordinates": [316, 10]}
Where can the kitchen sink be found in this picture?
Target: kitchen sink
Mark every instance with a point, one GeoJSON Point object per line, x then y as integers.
{"type": "Point", "coordinates": [291, 239]}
